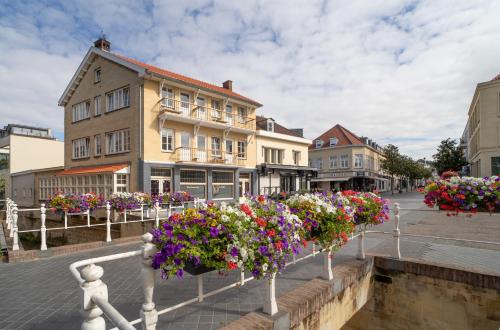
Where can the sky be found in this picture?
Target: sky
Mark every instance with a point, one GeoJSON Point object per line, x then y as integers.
{"type": "Point", "coordinates": [400, 72]}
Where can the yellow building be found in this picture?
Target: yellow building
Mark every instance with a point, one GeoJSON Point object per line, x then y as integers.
{"type": "Point", "coordinates": [346, 161]}
{"type": "Point", "coordinates": [282, 158]}
{"type": "Point", "coordinates": [130, 126]}
{"type": "Point", "coordinates": [484, 129]}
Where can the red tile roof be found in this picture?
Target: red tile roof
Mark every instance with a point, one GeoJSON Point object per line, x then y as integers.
{"type": "Point", "coordinates": [195, 82]}
{"type": "Point", "coordinates": [344, 136]}
{"type": "Point", "coordinates": [261, 123]}
{"type": "Point", "coordinates": [94, 169]}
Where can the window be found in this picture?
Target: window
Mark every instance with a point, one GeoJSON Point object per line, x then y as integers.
{"type": "Point", "coordinates": [194, 182]}
{"type": "Point", "coordinates": [97, 145]}
{"type": "Point", "coordinates": [97, 105]}
{"type": "Point", "coordinates": [121, 183]}
{"type": "Point", "coordinates": [167, 139]}
{"type": "Point", "coordinates": [117, 99]}
{"type": "Point", "coordinates": [216, 113]}
{"type": "Point", "coordinates": [229, 114]}
{"type": "Point", "coordinates": [167, 95]}
{"type": "Point", "coordinates": [160, 171]}
{"type": "Point", "coordinates": [273, 156]}
{"type": "Point", "coordinates": [97, 75]}
{"type": "Point", "coordinates": [201, 110]}
{"type": "Point", "coordinates": [319, 163]}
{"type": "Point", "coordinates": [222, 184]}
{"type": "Point", "coordinates": [358, 161]}
{"type": "Point", "coordinates": [81, 111]}
{"type": "Point", "coordinates": [495, 165]}
{"type": "Point", "coordinates": [216, 146]}
{"type": "Point", "coordinates": [229, 147]}
{"type": "Point", "coordinates": [319, 143]}
{"type": "Point", "coordinates": [270, 125]}
{"type": "Point", "coordinates": [185, 104]}
{"type": "Point", "coordinates": [344, 161]}
{"type": "Point", "coordinates": [296, 157]}
{"type": "Point", "coordinates": [333, 161]}
{"type": "Point", "coordinates": [201, 142]}
{"type": "Point", "coordinates": [118, 141]}
{"type": "Point", "coordinates": [333, 141]}
{"type": "Point", "coordinates": [81, 148]}
{"type": "Point", "coordinates": [242, 115]}
{"type": "Point", "coordinates": [242, 150]}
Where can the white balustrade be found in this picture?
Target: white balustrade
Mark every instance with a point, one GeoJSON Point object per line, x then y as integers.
{"type": "Point", "coordinates": [361, 245]}
{"type": "Point", "coordinates": [149, 315]}
{"type": "Point", "coordinates": [88, 218]}
{"type": "Point", "coordinates": [200, 287]}
{"type": "Point", "coordinates": [396, 232]}
{"type": "Point", "coordinates": [43, 229]}
{"type": "Point", "coordinates": [8, 216]}
{"type": "Point", "coordinates": [93, 286]}
{"type": "Point", "coordinates": [157, 214]}
{"type": "Point", "coordinates": [15, 234]}
{"type": "Point", "coordinates": [327, 264]}
{"type": "Point", "coordinates": [108, 222]}
{"type": "Point", "coordinates": [270, 305]}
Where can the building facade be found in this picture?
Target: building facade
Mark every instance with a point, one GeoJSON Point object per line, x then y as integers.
{"type": "Point", "coordinates": [346, 161]}
{"type": "Point", "coordinates": [130, 126]}
{"type": "Point", "coordinates": [282, 158]}
{"type": "Point", "coordinates": [484, 129]}
{"type": "Point", "coordinates": [26, 148]}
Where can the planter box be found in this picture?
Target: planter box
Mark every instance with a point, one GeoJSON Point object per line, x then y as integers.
{"type": "Point", "coordinates": [193, 269]}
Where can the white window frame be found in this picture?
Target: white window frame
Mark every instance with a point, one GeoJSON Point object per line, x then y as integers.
{"type": "Point", "coordinates": [215, 146]}
{"type": "Point", "coordinates": [270, 125]}
{"type": "Point", "coordinates": [243, 150]}
{"type": "Point", "coordinates": [167, 133]}
{"type": "Point", "coordinates": [97, 75]}
{"type": "Point", "coordinates": [358, 160]}
{"type": "Point", "coordinates": [296, 157]}
{"type": "Point", "coordinates": [229, 142]}
{"type": "Point", "coordinates": [97, 106]}
{"type": "Point", "coordinates": [242, 115]}
{"type": "Point", "coordinates": [333, 162]}
{"type": "Point", "coordinates": [344, 161]}
{"type": "Point", "coordinates": [216, 184]}
{"type": "Point", "coordinates": [118, 99]}
{"type": "Point", "coordinates": [80, 148]}
{"type": "Point", "coordinates": [319, 143]}
{"type": "Point", "coordinates": [167, 95]}
{"type": "Point", "coordinates": [333, 141]}
{"type": "Point", "coordinates": [97, 145]}
{"type": "Point", "coordinates": [118, 142]}
{"type": "Point", "coordinates": [119, 186]}
{"type": "Point", "coordinates": [80, 111]}
{"type": "Point", "coordinates": [194, 183]}
{"type": "Point", "coordinates": [319, 163]}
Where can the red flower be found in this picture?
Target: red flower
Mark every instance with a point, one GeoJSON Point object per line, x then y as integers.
{"type": "Point", "coordinates": [245, 208]}
{"type": "Point", "coordinates": [271, 233]}
{"type": "Point", "coordinates": [304, 242]}
{"type": "Point", "coordinates": [261, 199]}
{"type": "Point", "coordinates": [261, 222]}
{"type": "Point", "coordinates": [231, 265]}
{"type": "Point", "coordinates": [278, 245]}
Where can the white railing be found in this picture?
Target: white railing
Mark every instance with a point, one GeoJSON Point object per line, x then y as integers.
{"type": "Point", "coordinates": [95, 302]}
{"type": "Point", "coordinates": [12, 216]}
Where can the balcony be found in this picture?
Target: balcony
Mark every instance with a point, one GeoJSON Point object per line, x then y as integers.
{"type": "Point", "coordinates": [190, 113]}
{"type": "Point", "coordinates": [207, 156]}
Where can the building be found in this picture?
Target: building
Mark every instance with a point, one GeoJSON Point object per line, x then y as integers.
{"type": "Point", "coordinates": [26, 148]}
{"type": "Point", "coordinates": [484, 129]}
{"type": "Point", "coordinates": [130, 126]}
{"type": "Point", "coordinates": [282, 158]}
{"type": "Point", "coordinates": [346, 161]}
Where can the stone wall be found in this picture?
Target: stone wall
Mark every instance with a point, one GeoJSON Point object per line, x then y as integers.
{"type": "Point", "coordinates": [410, 295]}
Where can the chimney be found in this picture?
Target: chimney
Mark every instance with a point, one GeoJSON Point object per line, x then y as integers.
{"type": "Point", "coordinates": [102, 43]}
{"type": "Point", "coordinates": [228, 84]}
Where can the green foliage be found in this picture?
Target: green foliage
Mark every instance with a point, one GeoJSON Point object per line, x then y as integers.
{"type": "Point", "coordinates": [448, 157]}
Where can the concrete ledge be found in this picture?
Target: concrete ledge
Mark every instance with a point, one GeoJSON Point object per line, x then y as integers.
{"type": "Point", "coordinates": [28, 255]}
{"type": "Point", "coordinates": [299, 304]}
{"type": "Point", "coordinates": [387, 266]}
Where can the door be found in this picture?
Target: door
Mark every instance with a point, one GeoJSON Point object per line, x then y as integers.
{"type": "Point", "coordinates": [185, 108]}
{"type": "Point", "coordinates": [201, 148]}
{"type": "Point", "coordinates": [201, 112]}
{"type": "Point", "coordinates": [229, 114]}
{"type": "Point", "coordinates": [185, 146]}
{"type": "Point", "coordinates": [229, 152]}
{"type": "Point", "coordinates": [160, 186]}
{"type": "Point", "coordinates": [244, 184]}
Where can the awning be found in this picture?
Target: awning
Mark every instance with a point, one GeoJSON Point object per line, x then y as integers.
{"type": "Point", "coordinates": [330, 179]}
{"type": "Point", "coordinates": [96, 169]}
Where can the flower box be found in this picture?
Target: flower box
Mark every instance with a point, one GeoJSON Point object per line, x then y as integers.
{"type": "Point", "coordinates": [193, 269]}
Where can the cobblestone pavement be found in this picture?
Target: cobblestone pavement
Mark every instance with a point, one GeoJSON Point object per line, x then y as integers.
{"type": "Point", "coordinates": [43, 294]}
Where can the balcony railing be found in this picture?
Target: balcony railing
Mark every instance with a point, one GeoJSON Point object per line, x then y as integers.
{"type": "Point", "coordinates": [185, 154]}
{"type": "Point", "coordinates": [205, 113]}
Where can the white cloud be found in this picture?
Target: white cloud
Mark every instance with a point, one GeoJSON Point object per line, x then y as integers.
{"type": "Point", "coordinates": [397, 71]}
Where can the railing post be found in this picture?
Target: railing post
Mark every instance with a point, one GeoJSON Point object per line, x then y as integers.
{"type": "Point", "coordinates": [8, 217]}
{"type": "Point", "coordinates": [200, 287]}
{"type": "Point", "coordinates": [270, 305]}
{"type": "Point", "coordinates": [125, 216]}
{"type": "Point", "coordinates": [327, 264]}
{"type": "Point", "coordinates": [65, 219]}
{"type": "Point", "coordinates": [88, 218]}
{"type": "Point", "coordinates": [157, 215]}
{"type": "Point", "coordinates": [396, 232]}
{"type": "Point", "coordinates": [43, 229]}
{"type": "Point", "coordinates": [93, 286]}
{"type": "Point", "coordinates": [149, 315]}
{"type": "Point", "coordinates": [15, 235]}
{"type": "Point", "coordinates": [11, 233]}
{"type": "Point", "coordinates": [313, 248]}
{"type": "Point", "coordinates": [361, 246]}
{"type": "Point", "coordinates": [242, 277]}
{"type": "Point", "coordinates": [108, 222]}
{"type": "Point", "coordinates": [142, 212]}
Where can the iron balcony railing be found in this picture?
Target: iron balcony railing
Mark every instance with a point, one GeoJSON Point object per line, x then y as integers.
{"type": "Point", "coordinates": [206, 113]}
{"type": "Point", "coordinates": [212, 156]}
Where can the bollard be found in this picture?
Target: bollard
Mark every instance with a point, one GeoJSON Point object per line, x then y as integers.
{"type": "Point", "coordinates": [108, 222]}
{"type": "Point", "coordinates": [43, 229]}
{"type": "Point", "coordinates": [149, 315]}
{"type": "Point", "coordinates": [396, 232]}
{"type": "Point", "coordinates": [327, 264]}
{"type": "Point", "coordinates": [270, 305]}
{"type": "Point", "coordinates": [157, 215]}
{"type": "Point", "coordinates": [361, 246]}
{"type": "Point", "coordinates": [200, 287]}
{"type": "Point", "coordinates": [91, 286]}
{"type": "Point", "coordinates": [15, 237]}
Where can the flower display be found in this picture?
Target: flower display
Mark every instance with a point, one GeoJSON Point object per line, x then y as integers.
{"type": "Point", "coordinates": [128, 201]}
{"type": "Point", "coordinates": [463, 194]}
{"type": "Point", "coordinates": [369, 208]}
{"type": "Point", "coordinates": [72, 203]}
{"type": "Point", "coordinates": [174, 198]}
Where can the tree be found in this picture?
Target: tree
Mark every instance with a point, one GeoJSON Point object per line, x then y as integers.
{"type": "Point", "coordinates": [449, 157]}
{"type": "Point", "coordinates": [391, 163]}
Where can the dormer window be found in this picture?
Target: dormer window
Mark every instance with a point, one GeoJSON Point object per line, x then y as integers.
{"type": "Point", "coordinates": [333, 141]}
{"type": "Point", "coordinates": [97, 75]}
{"type": "Point", "coordinates": [319, 143]}
{"type": "Point", "coordinates": [270, 125]}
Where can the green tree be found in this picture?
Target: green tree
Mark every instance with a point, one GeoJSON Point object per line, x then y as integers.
{"type": "Point", "coordinates": [448, 157]}
{"type": "Point", "coordinates": [391, 163]}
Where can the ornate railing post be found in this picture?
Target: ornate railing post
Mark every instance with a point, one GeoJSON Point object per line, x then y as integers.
{"type": "Point", "coordinates": [8, 217]}
{"type": "Point", "coordinates": [15, 235]}
{"type": "Point", "coordinates": [12, 207]}
{"type": "Point", "coordinates": [142, 212]}
{"type": "Point", "coordinates": [43, 229]}
{"type": "Point", "coordinates": [93, 286]}
{"type": "Point", "coordinates": [200, 287]}
{"type": "Point", "coordinates": [396, 233]}
{"type": "Point", "coordinates": [88, 218]}
{"type": "Point", "coordinates": [270, 305]}
{"type": "Point", "coordinates": [157, 214]}
{"type": "Point", "coordinates": [65, 219]}
{"type": "Point", "coordinates": [361, 245]}
{"type": "Point", "coordinates": [327, 264]}
{"type": "Point", "coordinates": [149, 315]}
{"type": "Point", "coordinates": [108, 222]}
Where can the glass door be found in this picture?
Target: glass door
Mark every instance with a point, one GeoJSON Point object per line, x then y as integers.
{"type": "Point", "coordinates": [201, 111]}
{"type": "Point", "coordinates": [229, 114]}
{"type": "Point", "coordinates": [185, 109]}
{"type": "Point", "coordinates": [185, 146]}
{"type": "Point", "coordinates": [201, 148]}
